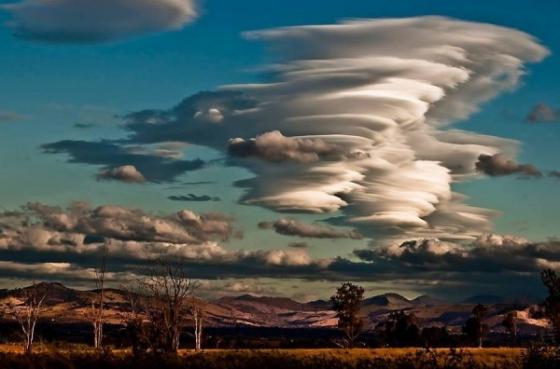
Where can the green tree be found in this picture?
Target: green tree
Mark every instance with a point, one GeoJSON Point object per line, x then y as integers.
{"type": "Point", "coordinates": [474, 328]}
{"type": "Point", "coordinates": [347, 302]}
{"type": "Point", "coordinates": [552, 302]}
{"type": "Point", "coordinates": [510, 323]}
{"type": "Point", "coordinates": [401, 329]}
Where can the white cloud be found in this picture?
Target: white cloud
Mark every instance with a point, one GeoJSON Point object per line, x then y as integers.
{"type": "Point", "coordinates": [388, 86]}
{"type": "Point", "coordinates": [99, 20]}
{"type": "Point", "coordinates": [124, 173]}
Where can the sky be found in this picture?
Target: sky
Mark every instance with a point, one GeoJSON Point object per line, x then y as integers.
{"type": "Point", "coordinates": [282, 147]}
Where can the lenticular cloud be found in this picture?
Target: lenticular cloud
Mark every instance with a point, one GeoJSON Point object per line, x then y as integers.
{"type": "Point", "coordinates": [385, 92]}
{"type": "Point", "coordinates": [355, 120]}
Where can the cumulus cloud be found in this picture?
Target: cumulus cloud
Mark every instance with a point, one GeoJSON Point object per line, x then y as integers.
{"type": "Point", "coordinates": [499, 165]}
{"type": "Point", "coordinates": [125, 173]}
{"type": "Point", "coordinates": [116, 222]}
{"type": "Point", "coordinates": [72, 239]}
{"type": "Point", "coordinates": [82, 21]}
{"type": "Point", "coordinates": [292, 227]}
{"type": "Point", "coordinates": [275, 147]}
{"type": "Point", "coordinates": [543, 113]}
{"type": "Point", "coordinates": [490, 253]}
{"type": "Point", "coordinates": [49, 243]}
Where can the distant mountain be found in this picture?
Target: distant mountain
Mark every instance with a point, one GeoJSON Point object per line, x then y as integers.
{"type": "Point", "coordinates": [426, 300]}
{"type": "Point", "coordinates": [67, 305]}
{"type": "Point", "coordinates": [320, 304]}
{"type": "Point", "coordinates": [389, 300]}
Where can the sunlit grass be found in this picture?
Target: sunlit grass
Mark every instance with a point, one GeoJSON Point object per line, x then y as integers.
{"type": "Point", "coordinates": [83, 356]}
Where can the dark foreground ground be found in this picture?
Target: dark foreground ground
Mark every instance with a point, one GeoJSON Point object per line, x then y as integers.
{"type": "Point", "coordinates": [493, 358]}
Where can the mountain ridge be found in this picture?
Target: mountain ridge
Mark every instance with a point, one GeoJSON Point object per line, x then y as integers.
{"type": "Point", "coordinates": [72, 305]}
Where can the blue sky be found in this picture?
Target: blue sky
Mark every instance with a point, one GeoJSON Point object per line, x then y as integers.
{"type": "Point", "coordinates": [52, 86]}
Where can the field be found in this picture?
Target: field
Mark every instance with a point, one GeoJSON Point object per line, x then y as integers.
{"type": "Point", "coordinates": [413, 358]}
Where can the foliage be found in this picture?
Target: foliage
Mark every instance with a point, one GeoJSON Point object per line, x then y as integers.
{"type": "Point", "coordinates": [552, 302]}
{"type": "Point", "coordinates": [400, 329]}
{"type": "Point", "coordinates": [474, 327]}
{"type": "Point", "coordinates": [545, 357]}
{"type": "Point", "coordinates": [510, 323]}
{"type": "Point", "coordinates": [347, 303]}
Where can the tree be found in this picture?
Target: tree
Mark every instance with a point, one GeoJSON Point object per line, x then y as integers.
{"type": "Point", "coordinates": [97, 303]}
{"type": "Point", "coordinates": [197, 311]}
{"type": "Point", "coordinates": [401, 329]}
{"type": "Point", "coordinates": [552, 301]}
{"type": "Point", "coordinates": [139, 328]}
{"type": "Point", "coordinates": [347, 303]}
{"type": "Point", "coordinates": [28, 312]}
{"type": "Point", "coordinates": [435, 337]}
{"type": "Point", "coordinates": [168, 289]}
{"type": "Point", "coordinates": [474, 328]}
{"type": "Point", "coordinates": [510, 323]}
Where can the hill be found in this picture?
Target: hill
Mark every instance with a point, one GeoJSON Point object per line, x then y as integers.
{"type": "Point", "coordinates": [67, 305]}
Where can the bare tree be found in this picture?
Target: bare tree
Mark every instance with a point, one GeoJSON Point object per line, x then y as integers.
{"type": "Point", "coordinates": [197, 310]}
{"type": "Point", "coordinates": [28, 312]}
{"type": "Point", "coordinates": [135, 318]}
{"type": "Point", "coordinates": [168, 289]}
{"type": "Point", "coordinates": [97, 303]}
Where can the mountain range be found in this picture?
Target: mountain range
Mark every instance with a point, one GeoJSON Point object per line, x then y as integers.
{"type": "Point", "coordinates": [68, 305]}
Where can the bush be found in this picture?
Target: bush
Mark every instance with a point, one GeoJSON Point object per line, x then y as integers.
{"type": "Point", "coordinates": [545, 357]}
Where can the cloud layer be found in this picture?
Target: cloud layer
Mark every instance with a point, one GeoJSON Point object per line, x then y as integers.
{"type": "Point", "coordinates": [292, 227]}
{"type": "Point", "coordinates": [95, 21]}
{"type": "Point", "coordinates": [355, 121]}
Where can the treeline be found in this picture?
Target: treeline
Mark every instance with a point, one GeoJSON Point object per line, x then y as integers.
{"type": "Point", "coordinates": [401, 328]}
{"type": "Point", "coordinates": [163, 314]}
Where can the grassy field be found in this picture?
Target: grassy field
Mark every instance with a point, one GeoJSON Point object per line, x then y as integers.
{"type": "Point", "coordinates": [389, 358]}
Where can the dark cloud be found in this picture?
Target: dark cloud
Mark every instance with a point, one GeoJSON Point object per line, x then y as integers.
{"type": "Point", "coordinates": [112, 155]}
{"type": "Point", "coordinates": [125, 173]}
{"type": "Point", "coordinates": [193, 197]}
{"type": "Point", "coordinates": [499, 165]}
{"type": "Point", "coordinates": [298, 245]}
{"type": "Point", "coordinates": [84, 125]}
{"type": "Point", "coordinates": [55, 241]}
{"type": "Point", "coordinates": [275, 147]}
{"type": "Point", "coordinates": [488, 254]}
{"type": "Point", "coordinates": [47, 243]}
{"type": "Point", "coordinates": [543, 113]}
{"type": "Point", "coordinates": [83, 21]}
{"type": "Point", "coordinates": [188, 121]}
{"type": "Point", "coordinates": [197, 183]}
{"type": "Point", "coordinates": [291, 227]}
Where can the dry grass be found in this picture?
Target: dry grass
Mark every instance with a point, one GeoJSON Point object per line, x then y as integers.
{"type": "Point", "coordinates": [486, 358]}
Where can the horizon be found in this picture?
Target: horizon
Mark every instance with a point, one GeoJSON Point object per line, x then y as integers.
{"type": "Point", "coordinates": [408, 147]}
